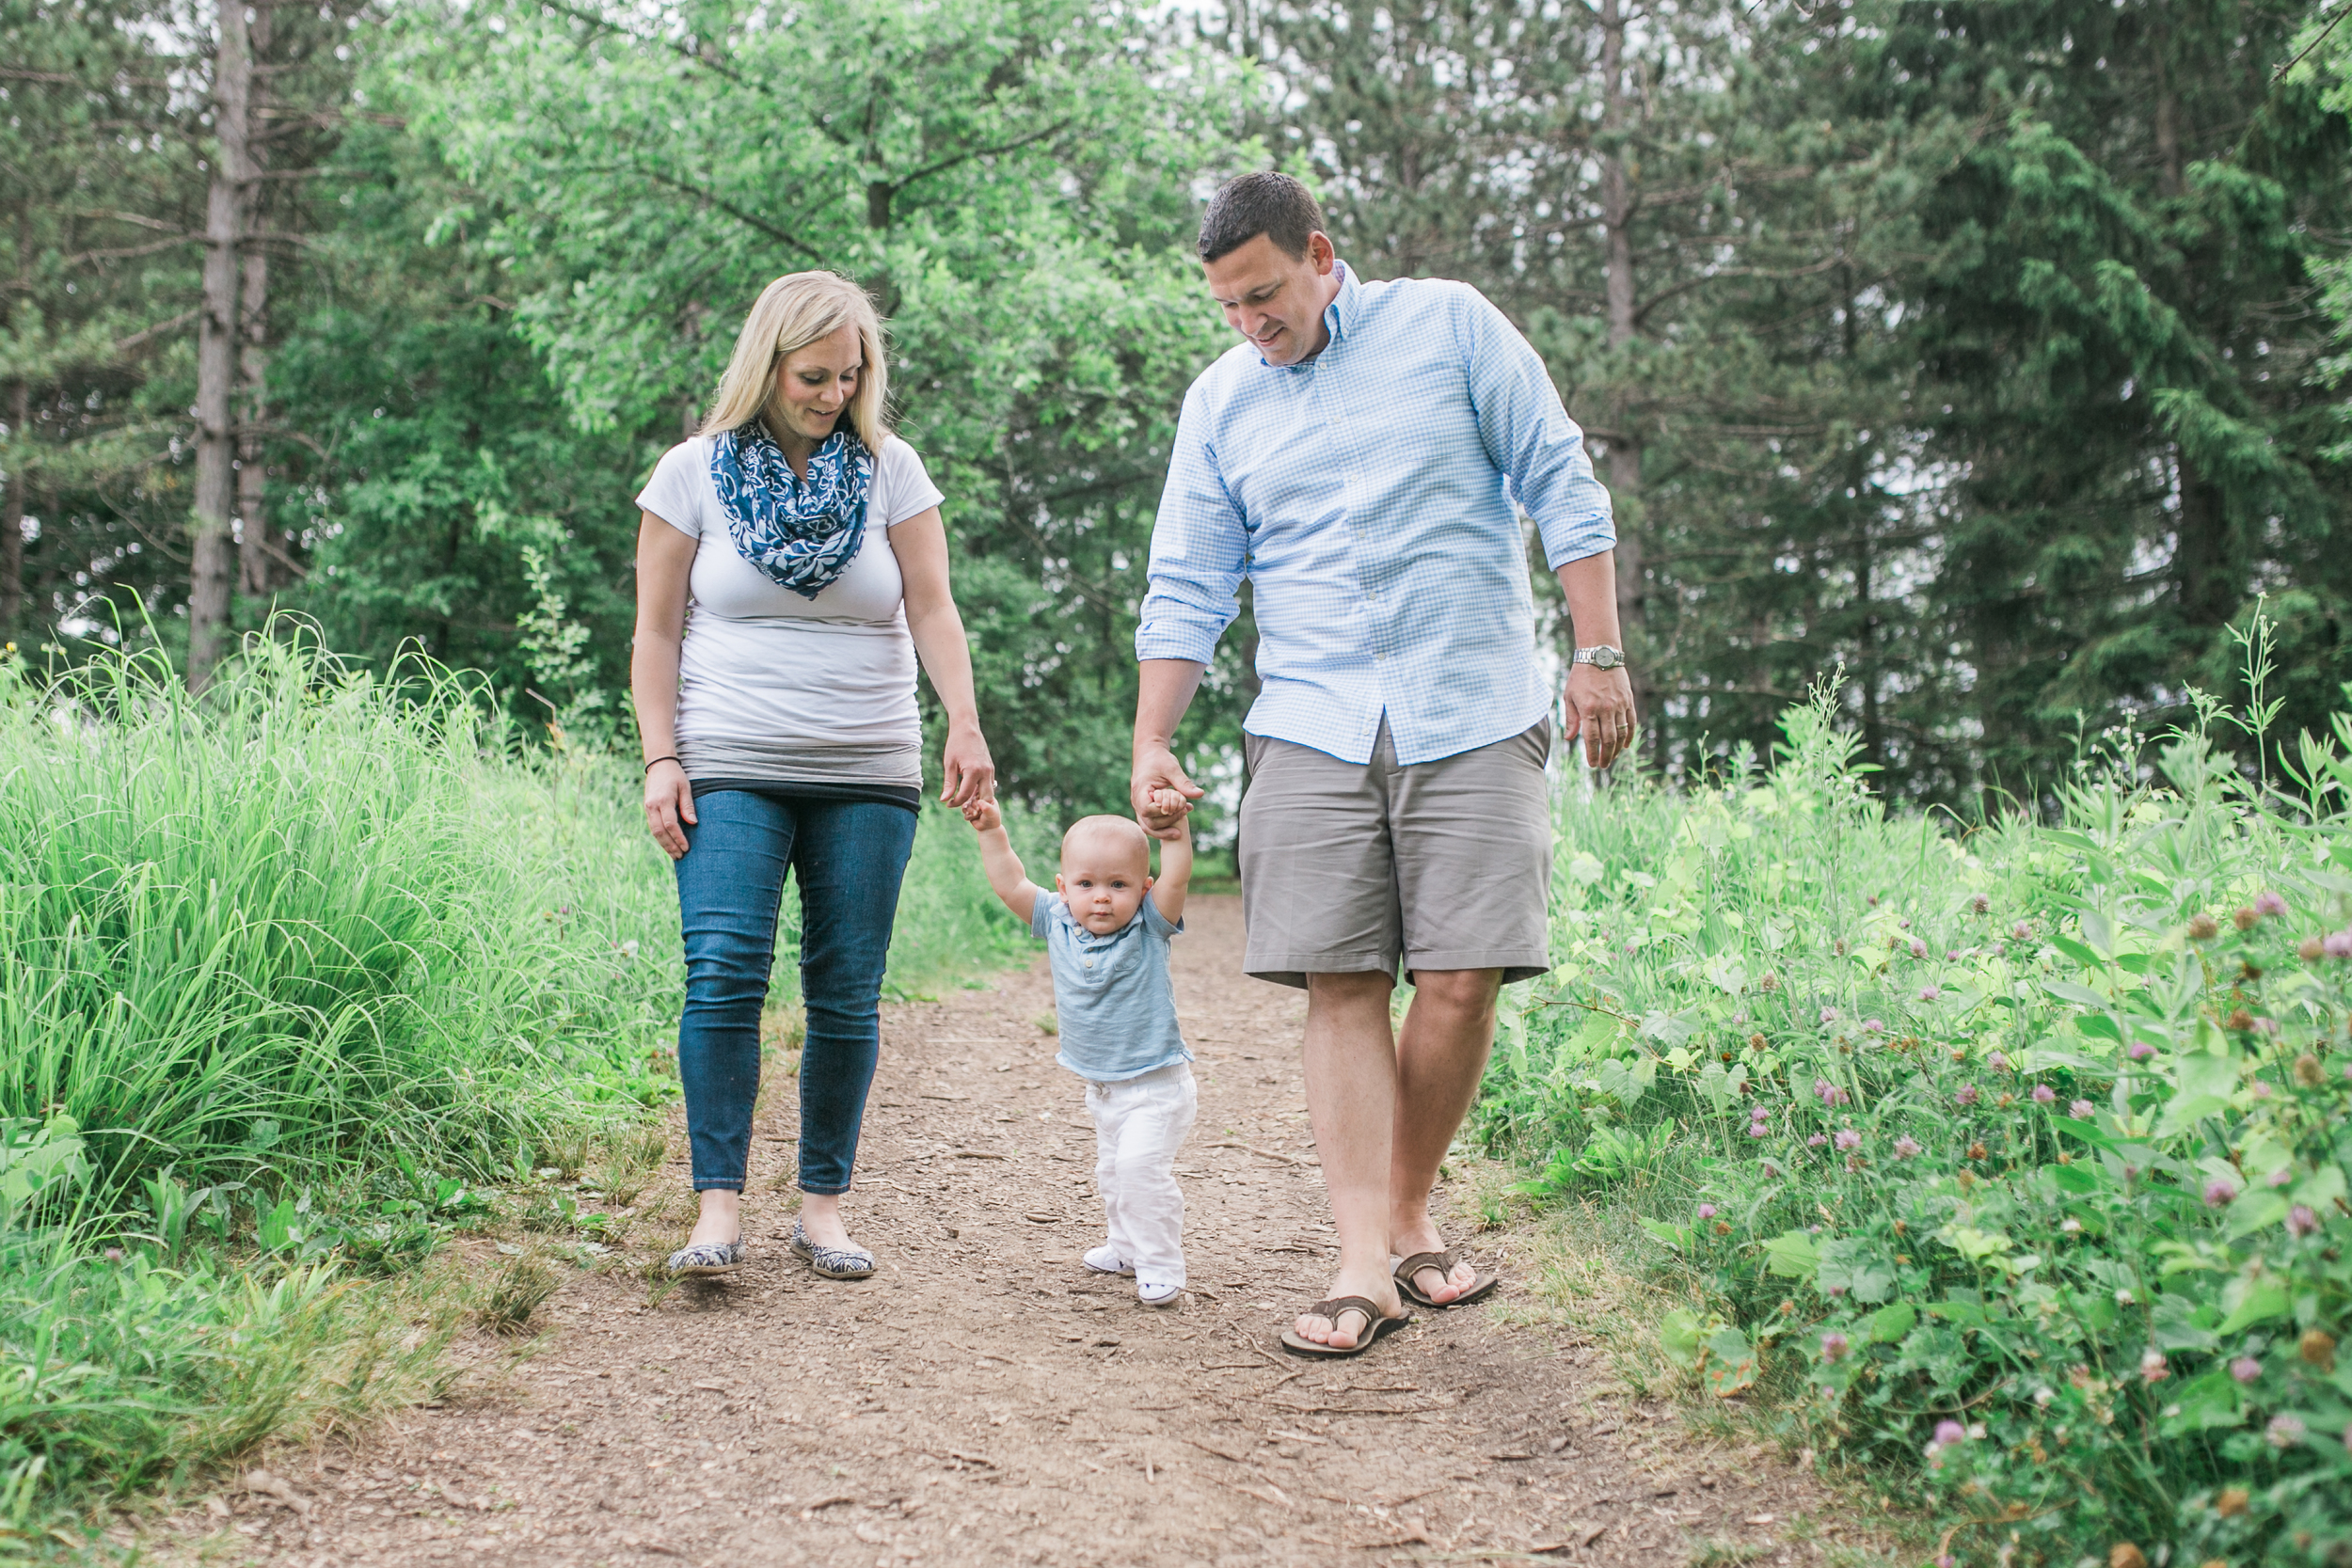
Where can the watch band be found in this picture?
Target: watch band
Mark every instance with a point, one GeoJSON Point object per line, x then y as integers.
{"type": "Point", "coordinates": [1601, 656]}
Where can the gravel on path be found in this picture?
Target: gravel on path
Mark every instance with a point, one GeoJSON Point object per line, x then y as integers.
{"type": "Point", "coordinates": [984, 1399]}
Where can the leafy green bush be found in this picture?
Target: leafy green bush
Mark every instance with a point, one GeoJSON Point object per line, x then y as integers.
{"type": "Point", "coordinates": [2016, 1157]}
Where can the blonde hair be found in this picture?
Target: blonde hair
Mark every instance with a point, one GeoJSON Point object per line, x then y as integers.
{"type": "Point", "coordinates": [791, 313]}
{"type": "Point", "coordinates": [1126, 830]}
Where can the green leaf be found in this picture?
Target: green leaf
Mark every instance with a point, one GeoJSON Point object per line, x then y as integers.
{"type": "Point", "coordinates": [2066, 991]}
{"type": "Point", "coordinates": [1676, 1236]}
{"type": "Point", "coordinates": [1791, 1256]}
{"type": "Point", "coordinates": [2077, 952]}
{"type": "Point", "coordinates": [1890, 1323]}
{"type": "Point", "coordinates": [2074, 1178]}
{"type": "Point", "coordinates": [1679, 1336]}
{"type": "Point", "coordinates": [2205, 1403]}
{"type": "Point", "coordinates": [2256, 1209]}
{"type": "Point", "coordinates": [1730, 1363]}
{"type": "Point", "coordinates": [2249, 1301]}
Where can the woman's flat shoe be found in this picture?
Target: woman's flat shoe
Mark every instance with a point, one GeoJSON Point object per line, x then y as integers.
{"type": "Point", "coordinates": [1443, 1262]}
{"type": "Point", "coordinates": [1375, 1328]}
{"type": "Point", "coordinates": [833, 1262]}
{"type": "Point", "coordinates": [705, 1259]}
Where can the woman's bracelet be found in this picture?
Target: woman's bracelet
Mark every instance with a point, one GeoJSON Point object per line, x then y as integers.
{"type": "Point", "coordinates": [649, 767]}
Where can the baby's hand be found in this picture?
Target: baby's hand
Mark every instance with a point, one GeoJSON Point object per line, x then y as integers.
{"type": "Point", "coordinates": [1163, 816]}
{"type": "Point", "coordinates": [983, 814]}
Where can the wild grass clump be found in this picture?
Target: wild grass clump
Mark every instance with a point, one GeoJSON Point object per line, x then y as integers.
{"type": "Point", "coordinates": [2013, 1160]}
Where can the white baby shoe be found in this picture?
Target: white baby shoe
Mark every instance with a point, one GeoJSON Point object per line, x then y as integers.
{"type": "Point", "coordinates": [1105, 1259]}
{"type": "Point", "coordinates": [1151, 1292]}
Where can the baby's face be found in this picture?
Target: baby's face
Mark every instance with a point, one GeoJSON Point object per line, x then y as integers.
{"type": "Point", "coordinates": [1104, 879]}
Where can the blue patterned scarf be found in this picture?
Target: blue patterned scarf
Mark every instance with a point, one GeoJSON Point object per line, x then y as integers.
{"type": "Point", "coordinates": [804, 535]}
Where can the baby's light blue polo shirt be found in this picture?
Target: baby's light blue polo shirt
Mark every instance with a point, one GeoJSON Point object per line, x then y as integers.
{"type": "Point", "coordinates": [1113, 1001]}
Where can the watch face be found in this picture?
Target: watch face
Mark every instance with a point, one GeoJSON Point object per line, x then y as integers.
{"type": "Point", "coordinates": [1605, 658]}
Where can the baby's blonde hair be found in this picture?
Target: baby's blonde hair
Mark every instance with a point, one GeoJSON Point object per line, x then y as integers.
{"type": "Point", "coordinates": [1124, 828]}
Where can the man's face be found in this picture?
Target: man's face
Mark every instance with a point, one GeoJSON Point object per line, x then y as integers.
{"type": "Point", "coordinates": [1274, 299]}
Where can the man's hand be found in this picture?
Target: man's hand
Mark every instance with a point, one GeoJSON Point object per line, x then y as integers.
{"type": "Point", "coordinates": [1163, 795]}
{"type": "Point", "coordinates": [1601, 709]}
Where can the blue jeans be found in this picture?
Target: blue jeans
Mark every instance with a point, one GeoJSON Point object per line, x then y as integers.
{"type": "Point", "coordinates": [849, 856]}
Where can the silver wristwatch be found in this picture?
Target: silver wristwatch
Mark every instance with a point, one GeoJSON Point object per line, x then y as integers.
{"type": "Point", "coordinates": [1601, 656]}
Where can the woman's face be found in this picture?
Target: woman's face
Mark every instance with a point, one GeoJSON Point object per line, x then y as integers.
{"type": "Point", "coordinates": [815, 383]}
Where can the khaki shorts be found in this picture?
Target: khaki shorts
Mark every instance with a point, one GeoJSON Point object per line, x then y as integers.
{"type": "Point", "coordinates": [1349, 868]}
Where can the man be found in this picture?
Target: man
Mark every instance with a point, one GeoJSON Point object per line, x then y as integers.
{"type": "Point", "coordinates": [1358, 458]}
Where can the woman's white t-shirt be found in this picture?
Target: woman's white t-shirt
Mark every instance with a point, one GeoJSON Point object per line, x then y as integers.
{"type": "Point", "coordinates": [775, 687]}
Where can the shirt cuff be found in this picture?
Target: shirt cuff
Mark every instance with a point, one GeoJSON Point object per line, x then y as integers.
{"type": "Point", "coordinates": [1171, 640]}
{"type": "Point", "coordinates": [1588, 536]}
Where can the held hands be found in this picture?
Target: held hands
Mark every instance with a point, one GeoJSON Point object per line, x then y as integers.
{"type": "Point", "coordinates": [967, 774]}
{"type": "Point", "coordinates": [1161, 793]}
{"type": "Point", "coordinates": [983, 814]}
{"type": "Point", "coordinates": [669, 802]}
{"type": "Point", "coordinates": [1601, 709]}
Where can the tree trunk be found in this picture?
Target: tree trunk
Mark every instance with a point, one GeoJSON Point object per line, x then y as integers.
{"type": "Point", "coordinates": [1623, 460]}
{"type": "Point", "coordinates": [12, 514]}
{"type": "Point", "coordinates": [255, 547]}
{"type": "Point", "coordinates": [211, 569]}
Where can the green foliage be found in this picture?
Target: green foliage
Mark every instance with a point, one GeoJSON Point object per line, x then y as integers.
{"type": "Point", "coordinates": [2021, 1152]}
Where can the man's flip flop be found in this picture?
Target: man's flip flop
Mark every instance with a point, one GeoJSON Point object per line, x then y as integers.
{"type": "Point", "coordinates": [1443, 1262]}
{"type": "Point", "coordinates": [1375, 1326]}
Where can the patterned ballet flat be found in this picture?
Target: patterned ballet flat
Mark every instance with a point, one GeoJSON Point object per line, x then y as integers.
{"type": "Point", "coordinates": [705, 1259]}
{"type": "Point", "coordinates": [833, 1262]}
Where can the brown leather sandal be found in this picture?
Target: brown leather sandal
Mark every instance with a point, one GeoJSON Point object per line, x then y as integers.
{"type": "Point", "coordinates": [1443, 1262]}
{"type": "Point", "coordinates": [1375, 1327]}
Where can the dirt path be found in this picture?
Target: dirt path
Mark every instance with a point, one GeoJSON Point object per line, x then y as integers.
{"type": "Point", "coordinates": [985, 1401]}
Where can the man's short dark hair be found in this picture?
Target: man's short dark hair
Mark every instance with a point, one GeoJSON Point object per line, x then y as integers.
{"type": "Point", "coordinates": [1268, 202]}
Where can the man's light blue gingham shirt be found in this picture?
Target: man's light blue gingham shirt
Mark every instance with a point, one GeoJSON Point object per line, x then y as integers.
{"type": "Point", "coordinates": [1368, 495]}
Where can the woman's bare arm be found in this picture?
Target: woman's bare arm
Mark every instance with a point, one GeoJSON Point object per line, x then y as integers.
{"type": "Point", "coordinates": [920, 543]}
{"type": "Point", "coordinates": [665, 560]}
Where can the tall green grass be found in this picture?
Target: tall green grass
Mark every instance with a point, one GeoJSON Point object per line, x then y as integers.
{"type": "Point", "coordinates": [2010, 1158]}
{"type": "Point", "coordinates": [301, 975]}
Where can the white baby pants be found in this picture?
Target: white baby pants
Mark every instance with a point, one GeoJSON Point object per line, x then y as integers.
{"type": "Point", "coordinates": [1140, 1124]}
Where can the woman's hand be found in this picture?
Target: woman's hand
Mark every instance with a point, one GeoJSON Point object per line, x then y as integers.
{"type": "Point", "coordinates": [669, 802]}
{"type": "Point", "coordinates": [967, 774]}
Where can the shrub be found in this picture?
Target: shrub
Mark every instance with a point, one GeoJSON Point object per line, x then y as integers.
{"type": "Point", "coordinates": [2020, 1154]}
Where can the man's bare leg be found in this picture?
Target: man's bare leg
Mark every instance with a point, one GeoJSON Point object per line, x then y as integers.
{"type": "Point", "coordinates": [1440, 1055]}
{"type": "Point", "coordinates": [1351, 1098]}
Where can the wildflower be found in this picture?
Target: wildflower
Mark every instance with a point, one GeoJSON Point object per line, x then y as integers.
{"type": "Point", "coordinates": [1951, 953]}
{"type": "Point", "coordinates": [2069, 1224]}
{"type": "Point", "coordinates": [1829, 1015]}
{"type": "Point", "coordinates": [1929, 993]}
{"type": "Point", "coordinates": [1873, 1026]}
{"type": "Point", "coordinates": [2044, 1095]}
{"type": "Point", "coordinates": [2232, 1501]}
{"type": "Point", "coordinates": [2246, 1368]}
{"type": "Point", "coordinates": [2307, 1070]}
{"type": "Point", "coordinates": [2318, 1349]}
{"type": "Point", "coordinates": [1757, 1042]}
{"type": "Point", "coordinates": [2239, 1019]}
{"type": "Point", "coordinates": [2301, 1221]}
{"type": "Point", "coordinates": [1906, 923]}
{"type": "Point", "coordinates": [1978, 1151]}
{"type": "Point", "coordinates": [1967, 1095]}
{"type": "Point", "coordinates": [1740, 1017]}
{"type": "Point", "coordinates": [114, 1254]}
{"type": "Point", "coordinates": [2042, 1397]}
{"type": "Point", "coordinates": [2202, 927]}
{"type": "Point", "coordinates": [2337, 945]}
{"type": "Point", "coordinates": [1997, 1062]}
{"type": "Point", "coordinates": [1816, 1140]}
{"type": "Point", "coordinates": [1908, 1147]}
{"type": "Point", "coordinates": [2152, 1367]}
{"type": "Point", "coordinates": [1832, 1346]}
{"type": "Point", "coordinates": [2218, 1191]}
{"type": "Point", "coordinates": [2080, 1110]}
{"type": "Point", "coordinates": [1979, 903]}
{"type": "Point", "coordinates": [2310, 949]}
{"type": "Point", "coordinates": [2284, 1432]}
{"type": "Point", "coordinates": [1918, 948]}
{"type": "Point", "coordinates": [1874, 900]}
{"type": "Point", "coordinates": [2139, 1051]}
{"type": "Point", "coordinates": [1948, 1432]}
{"type": "Point", "coordinates": [1849, 1138]}
{"type": "Point", "coordinates": [2244, 918]}
{"type": "Point", "coordinates": [1707, 1211]}
{"type": "Point", "coordinates": [2269, 904]}
{"type": "Point", "coordinates": [1757, 1130]}
{"type": "Point", "coordinates": [2021, 931]}
{"type": "Point", "coordinates": [2125, 1298]}
{"type": "Point", "coordinates": [2279, 1177]}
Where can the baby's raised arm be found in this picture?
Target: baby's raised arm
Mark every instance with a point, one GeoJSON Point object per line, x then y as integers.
{"type": "Point", "coordinates": [1168, 891]}
{"type": "Point", "coordinates": [1002, 866]}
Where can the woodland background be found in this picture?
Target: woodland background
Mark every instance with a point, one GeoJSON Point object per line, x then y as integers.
{"type": "Point", "coordinates": [1990, 352]}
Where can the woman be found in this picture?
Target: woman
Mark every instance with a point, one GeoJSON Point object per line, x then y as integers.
{"type": "Point", "coordinates": [782, 731]}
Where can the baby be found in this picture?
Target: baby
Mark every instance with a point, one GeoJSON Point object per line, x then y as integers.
{"type": "Point", "coordinates": [1106, 927]}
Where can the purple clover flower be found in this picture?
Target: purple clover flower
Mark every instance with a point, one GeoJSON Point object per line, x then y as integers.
{"type": "Point", "coordinates": [2337, 945]}
{"type": "Point", "coordinates": [1929, 993]}
{"type": "Point", "coordinates": [2152, 1367]}
{"type": "Point", "coordinates": [2246, 1368]}
{"type": "Point", "coordinates": [2301, 1221]}
{"type": "Point", "coordinates": [1707, 1211]}
{"type": "Point", "coordinates": [1829, 1015]}
{"type": "Point", "coordinates": [2219, 1192]}
{"type": "Point", "coordinates": [2081, 1110]}
{"type": "Point", "coordinates": [2044, 1095]}
{"type": "Point", "coordinates": [1833, 1345]}
{"type": "Point", "coordinates": [1967, 1095]}
{"type": "Point", "coordinates": [2139, 1051]}
{"type": "Point", "coordinates": [2284, 1432]}
{"type": "Point", "coordinates": [1918, 948]}
{"type": "Point", "coordinates": [2021, 930]}
{"type": "Point", "coordinates": [1997, 1062]}
{"type": "Point", "coordinates": [1950, 1433]}
{"type": "Point", "coordinates": [1908, 1147]}
{"type": "Point", "coordinates": [1757, 1130]}
{"type": "Point", "coordinates": [1849, 1138]}
{"type": "Point", "coordinates": [1816, 1140]}
{"type": "Point", "coordinates": [1873, 1026]}
{"type": "Point", "coordinates": [2269, 904]}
